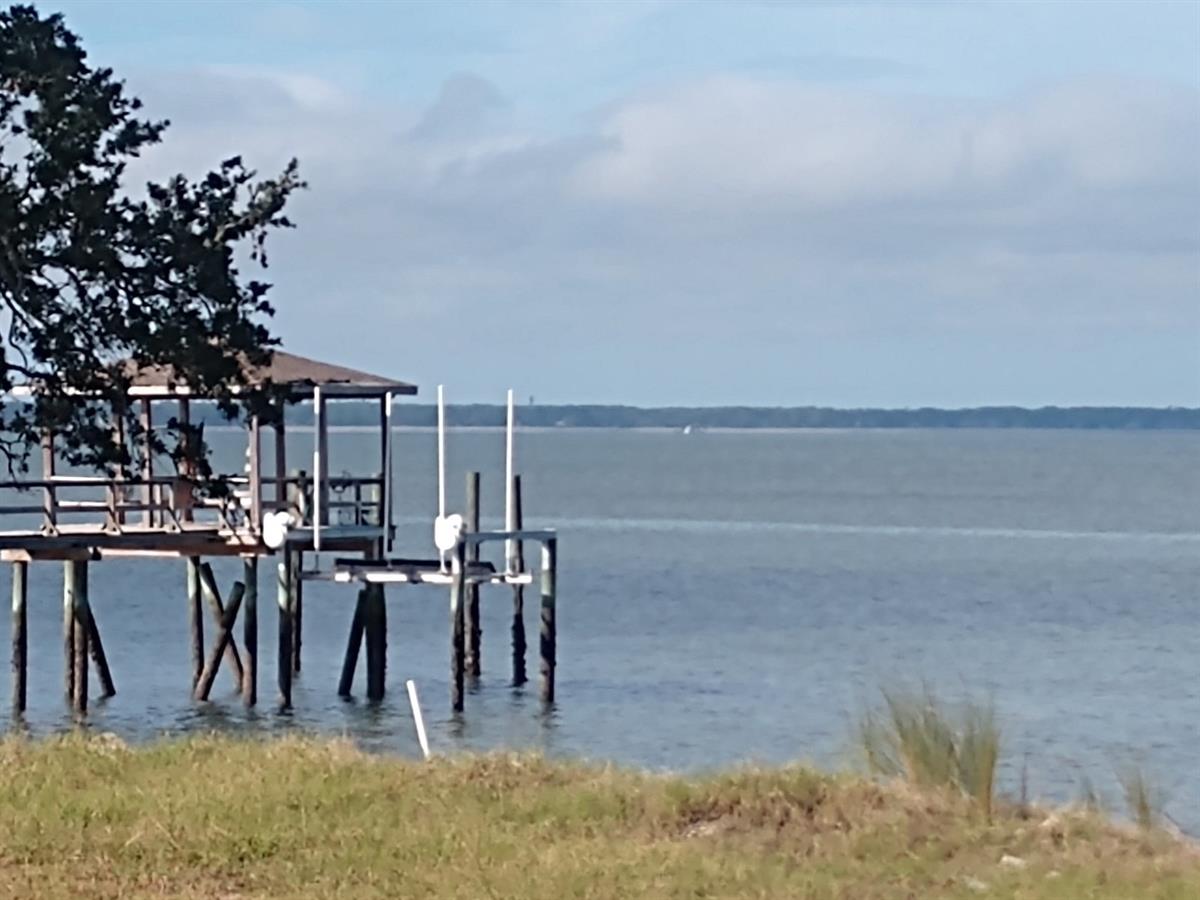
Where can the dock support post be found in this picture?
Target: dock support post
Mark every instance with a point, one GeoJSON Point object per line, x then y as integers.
{"type": "Point", "coordinates": [250, 631]}
{"type": "Point", "coordinates": [297, 609]}
{"type": "Point", "coordinates": [549, 625]}
{"type": "Point", "coordinates": [472, 625]}
{"type": "Point", "coordinates": [224, 635]}
{"type": "Point", "coordinates": [208, 586]}
{"type": "Point", "coordinates": [77, 577]}
{"type": "Point", "coordinates": [457, 623]}
{"type": "Point", "coordinates": [20, 636]}
{"type": "Point", "coordinates": [350, 661]}
{"type": "Point", "coordinates": [99, 657]}
{"type": "Point", "coordinates": [195, 619]}
{"type": "Point", "coordinates": [284, 601]}
{"type": "Point", "coordinates": [376, 634]}
{"type": "Point", "coordinates": [69, 630]}
{"type": "Point", "coordinates": [518, 613]}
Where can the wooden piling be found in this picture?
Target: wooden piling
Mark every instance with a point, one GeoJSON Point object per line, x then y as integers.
{"type": "Point", "coordinates": [549, 625]}
{"type": "Point", "coordinates": [81, 612]}
{"type": "Point", "coordinates": [297, 609]}
{"type": "Point", "coordinates": [250, 631]}
{"type": "Point", "coordinates": [284, 602]}
{"type": "Point", "coordinates": [518, 612]}
{"type": "Point", "coordinates": [471, 613]}
{"type": "Point", "coordinates": [208, 586]}
{"type": "Point", "coordinates": [224, 635]}
{"type": "Point", "coordinates": [375, 625]}
{"type": "Point", "coordinates": [69, 629]}
{"type": "Point", "coordinates": [195, 619]}
{"type": "Point", "coordinates": [99, 657]}
{"type": "Point", "coordinates": [457, 626]}
{"type": "Point", "coordinates": [20, 636]}
{"type": "Point", "coordinates": [350, 660]}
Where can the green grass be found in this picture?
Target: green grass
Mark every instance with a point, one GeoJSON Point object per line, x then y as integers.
{"type": "Point", "coordinates": [918, 737]}
{"type": "Point", "coordinates": [218, 817]}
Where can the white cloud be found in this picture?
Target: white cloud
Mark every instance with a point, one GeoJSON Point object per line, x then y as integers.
{"type": "Point", "coordinates": [737, 220]}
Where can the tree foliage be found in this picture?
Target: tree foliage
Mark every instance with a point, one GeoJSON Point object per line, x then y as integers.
{"type": "Point", "coordinates": [95, 279]}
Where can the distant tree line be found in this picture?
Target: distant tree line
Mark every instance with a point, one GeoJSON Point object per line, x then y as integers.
{"type": "Point", "coordinates": [595, 416]}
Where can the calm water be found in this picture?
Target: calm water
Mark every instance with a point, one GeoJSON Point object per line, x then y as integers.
{"type": "Point", "coordinates": [739, 596]}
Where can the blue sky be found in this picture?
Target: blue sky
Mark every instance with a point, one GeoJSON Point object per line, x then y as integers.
{"type": "Point", "coordinates": [868, 203]}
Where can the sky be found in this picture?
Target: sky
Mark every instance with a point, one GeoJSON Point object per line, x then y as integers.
{"type": "Point", "coordinates": [701, 203]}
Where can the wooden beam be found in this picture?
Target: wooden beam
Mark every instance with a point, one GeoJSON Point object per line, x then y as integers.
{"type": "Point", "coordinates": [212, 594]}
{"type": "Point", "coordinates": [147, 423]}
{"type": "Point", "coordinates": [376, 639]}
{"type": "Point", "coordinates": [99, 657]}
{"type": "Point", "coordinates": [284, 602]}
{"type": "Point", "coordinates": [81, 613]}
{"type": "Point", "coordinates": [195, 619]}
{"type": "Point", "coordinates": [281, 496]}
{"type": "Point", "coordinates": [472, 626]}
{"type": "Point", "coordinates": [224, 637]}
{"type": "Point", "coordinates": [49, 504]}
{"type": "Point", "coordinates": [350, 660]}
{"type": "Point", "coordinates": [69, 629]}
{"type": "Point", "coordinates": [457, 636]}
{"type": "Point", "coordinates": [549, 623]}
{"type": "Point", "coordinates": [255, 474]}
{"type": "Point", "coordinates": [518, 610]}
{"type": "Point", "coordinates": [250, 632]}
{"type": "Point", "coordinates": [20, 637]}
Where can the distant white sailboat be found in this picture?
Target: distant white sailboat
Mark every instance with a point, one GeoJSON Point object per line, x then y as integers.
{"type": "Point", "coordinates": [687, 429]}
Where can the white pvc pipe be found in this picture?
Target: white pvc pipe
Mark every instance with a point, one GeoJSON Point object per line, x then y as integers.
{"type": "Point", "coordinates": [418, 719]}
{"type": "Point", "coordinates": [441, 462]}
{"type": "Point", "coordinates": [510, 511]}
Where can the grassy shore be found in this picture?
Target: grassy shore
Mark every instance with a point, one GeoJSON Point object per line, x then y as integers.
{"type": "Point", "coordinates": [215, 817]}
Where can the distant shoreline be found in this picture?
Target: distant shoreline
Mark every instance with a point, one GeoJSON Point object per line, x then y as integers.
{"type": "Point", "coordinates": [807, 418]}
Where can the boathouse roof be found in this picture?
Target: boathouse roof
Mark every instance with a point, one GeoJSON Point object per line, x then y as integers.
{"type": "Point", "coordinates": [299, 373]}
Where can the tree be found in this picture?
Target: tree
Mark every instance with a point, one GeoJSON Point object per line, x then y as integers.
{"type": "Point", "coordinates": [95, 280]}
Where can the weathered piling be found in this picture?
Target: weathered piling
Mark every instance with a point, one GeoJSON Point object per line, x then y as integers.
{"type": "Point", "coordinates": [375, 625]}
{"type": "Point", "coordinates": [208, 585]}
{"type": "Point", "coordinates": [457, 625]}
{"type": "Point", "coordinates": [99, 657]}
{"type": "Point", "coordinates": [250, 630]}
{"type": "Point", "coordinates": [297, 609]}
{"type": "Point", "coordinates": [350, 660]}
{"type": "Point", "coordinates": [284, 602]}
{"type": "Point", "coordinates": [472, 625]}
{"type": "Point", "coordinates": [195, 618]}
{"type": "Point", "coordinates": [221, 644]}
{"type": "Point", "coordinates": [77, 576]}
{"type": "Point", "coordinates": [518, 611]}
{"type": "Point", "coordinates": [549, 624]}
{"type": "Point", "coordinates": [20, 636]}
{"type": "Point", "coordinates": [69, 630]}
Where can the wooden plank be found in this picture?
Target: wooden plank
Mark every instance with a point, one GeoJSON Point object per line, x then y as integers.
{"type": "Point", "coordinates": [297, 609]}
{"type": "Point", "coordinates": [50, 518]}
{"type": "Point", "coordinates": [388, 488]}
{"type": "Point", "coordinates": [224, 636]}
{"type": "Point", "coordinates": [281, 496]}
{"type": "Point", "coordinates": [20, 637]}
{"type": "Point", "coordinates": [474, 631]}
{"type": "Point", "coordinates": [255, 475]}
{"type": "Point", "coordinates": [250, 631]}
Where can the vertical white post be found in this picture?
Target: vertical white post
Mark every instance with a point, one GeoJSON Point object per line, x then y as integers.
{"type": "Point", "coordinates": [441, 461]}
{"type": "Point", "coordinates": [385, 514]}
{"type": "Point", "coordinates": [510, 512]}
{"type": "Point", "coordinates": [319, 463]}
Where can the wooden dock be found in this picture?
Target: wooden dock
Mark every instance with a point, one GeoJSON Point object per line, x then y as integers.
{"type": "Point", "coordinates": [80, 519]}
